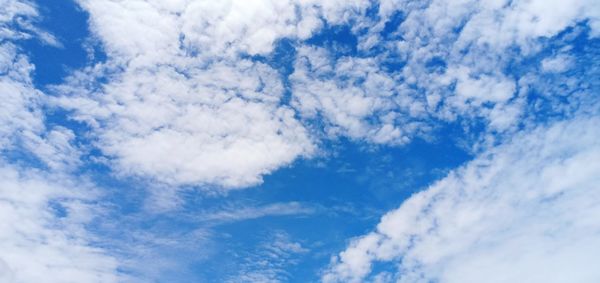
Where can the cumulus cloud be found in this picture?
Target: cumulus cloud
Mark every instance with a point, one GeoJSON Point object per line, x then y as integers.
{"type": "Point", "coordinates": [182, 105]}
{"type": "Point", "coordinates": [187, 97]}
{"type": "Point", "coordinates": [524, 211]}
{"type": "Point", "coordinates": [21, 118]}
{"type": "Point", "coordinates": [209, 28]}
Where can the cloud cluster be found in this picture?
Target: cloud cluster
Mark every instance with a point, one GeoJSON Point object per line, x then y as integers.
{"type": "Point", "coordinates": [182, 105]}
{"type": "Point", "coordinates": [216, 125]}
{"type": "Point", "coordinates": [354, 97]}
{"type": "Point", "coordinates": [523, 211]}
{"type": "Point", "coordinates": [419, 64]}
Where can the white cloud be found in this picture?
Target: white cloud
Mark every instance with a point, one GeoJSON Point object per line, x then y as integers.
{"type": "Point", "coordinates": [179, 102]}
{"type": "Point", "coordinates": [353, 96]}
{"type": "Point", "coordinates": [502, 23]}
{"type": "Point", "coordinates": [525, 211]}
{"type": "Point", "coordinates": [156, 30]}
{"type": "Point", "coordinates": [12, 11]}
{"type": "Point", "coordinates": [557, 64]}
{"type": "Point", "coordinates": [16, 22]}
{"type": "Point", "coordinates": [43, 215]}
{"type": "Point", "coordinates": [42, 230]}
{"type": "Point", "coordinates": [21, 118]}
{"type": "Point", "coordinates": [181, 105]}
{"type": "Point", "coordinates": [17, 112]}
{"type": "Point", "coordinates": [220, 125]}
{"type": "Point", "coordinates": [474, 42]}
{"type": "Point", "coordinates": [54, 148]}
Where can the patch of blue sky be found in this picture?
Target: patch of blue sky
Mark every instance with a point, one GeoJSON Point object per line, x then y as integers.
{"type": "Point", "coordinates": [69, 25]}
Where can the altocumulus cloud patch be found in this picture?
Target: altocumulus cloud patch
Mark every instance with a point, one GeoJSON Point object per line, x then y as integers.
{"type": "Point", "coordinates": [200, 99]}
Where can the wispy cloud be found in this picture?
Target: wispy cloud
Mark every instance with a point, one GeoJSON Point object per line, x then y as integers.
{"type": "Point", "coordinates": [248, 213]}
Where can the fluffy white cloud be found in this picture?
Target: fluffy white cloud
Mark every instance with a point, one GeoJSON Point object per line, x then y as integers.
{"type": "Point", "coordinates": [13, 15]}
{"type": "Point", "coordinates": [18, 111]}
{"type": "Point", "coordinates": [181, 104]}
{"type": "Point", "coordinates": [525, 211]}
{"type": "Point", "coordinates": [16, 20]}
{"type": "Point", "coordinates": [220, 125]}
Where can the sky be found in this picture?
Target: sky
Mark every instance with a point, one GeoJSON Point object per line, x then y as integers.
{"type": "Point", "coordinates": [299, 141]}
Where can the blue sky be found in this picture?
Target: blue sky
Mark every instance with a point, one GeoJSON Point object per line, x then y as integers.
{"type": "Point", "coordinates": [299, 141]}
